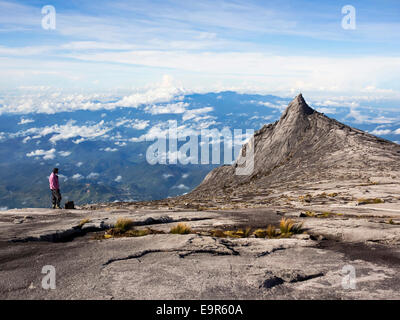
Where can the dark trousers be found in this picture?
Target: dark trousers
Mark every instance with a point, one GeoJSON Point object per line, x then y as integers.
{"type": "Point", "coordinates": [56, 197]}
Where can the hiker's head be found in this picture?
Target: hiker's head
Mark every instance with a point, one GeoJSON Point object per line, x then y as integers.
{"type": "Point", "coordinates": [55, 170]}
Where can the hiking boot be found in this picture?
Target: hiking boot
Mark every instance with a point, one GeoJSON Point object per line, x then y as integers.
{"type": "Point", "coordinates": [54, 206]}
{"type": "Point", "coordinates": [58, 207]}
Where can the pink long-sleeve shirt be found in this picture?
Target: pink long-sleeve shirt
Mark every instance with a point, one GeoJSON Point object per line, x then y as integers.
{"type": "Point", "coordinates": [53, 181]}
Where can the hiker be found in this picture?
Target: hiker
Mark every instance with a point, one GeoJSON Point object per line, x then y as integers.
{"type": "Point", "coordinates": [55, 189]}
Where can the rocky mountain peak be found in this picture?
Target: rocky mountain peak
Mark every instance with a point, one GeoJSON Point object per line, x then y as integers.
{"type": "Point", "coordinates": [298, 107]}
{"type": "Point", "coordinates": [303, 146]}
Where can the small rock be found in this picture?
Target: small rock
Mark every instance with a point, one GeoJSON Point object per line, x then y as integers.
{"type": "Point", "coordinates": [293, 214]}
{"type": "Point", "coordinates": [317, 237]}
{"type": "Point", "coordinates": [302, 236]}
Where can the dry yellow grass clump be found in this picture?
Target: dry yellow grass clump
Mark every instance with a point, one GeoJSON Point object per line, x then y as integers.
{"type": "Point", "coordinates": [288, 227]}
{"type": "Point", "coordinates": [123, 224]}
{"type": "Point", "coordinates": [181, 228]}
{"type": "Point", "coordinates": [260, 233]}
{"type": "Point", "coordinates": [271, 232]}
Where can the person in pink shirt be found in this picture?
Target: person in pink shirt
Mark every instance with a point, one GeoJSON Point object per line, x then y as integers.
{"type": "Point", "coordinates": [55, 189]}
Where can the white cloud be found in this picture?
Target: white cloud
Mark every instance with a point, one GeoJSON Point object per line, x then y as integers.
{"type": "Point", "coordinates": [397, 131]}
{"type": "Point", "coordinates": [79, 164]}
{"type": "Point", "coordinates": [161, 130]}
{"type": "Point", "coordinates": [181, 187]}
{"type": "Point", "coordinates": [118, 179]}
{"type": "Point", "coordinates": [383, 132]}
{"type": "Point", "coordinates": [261, 117]}
{"type": "Point", "coordinates": [326, 110]}
{"type": "Point", "coordinates": [190, 114]}
{"type": "Point", "coordinates": [64, 153]}
{"type": "Point", "coordinates": [25, 121]}
{"type": "Point", "coordinates": [136, 124]}
{"type": "Point", "coordinates": [336, 102]}
{"type": "Point", "coordinates": [26, 139]}
{"type": "Point", "coordinates": [283, 73]}
{"type": "Point", "coordinates": [93, 175]}
{"type": "Point", "coordinates": [61, 176]}
{"type": "Point", "coordinates": [167, 175]}
{"type": "Point", "coordinates": [52, 101]}
{"type": "Point", "coordinates": [162, 92]}
{"type": "Point", "coordinates": [185, 175]}
{"type": "Point", "coordinates": [268, 104]}
{"type": "Point", "coordinates": [47, 155]}
{"type": "Point", "coordinates": [66, 131]}
{"type": "Point", "coordinates": [363, 118]}
{"type": "Point", "coordinates": [77, 176]}
{"type": "Point", "coordinates": [171, 108]}
{"type": "Point", "coordinates": [108, 149]}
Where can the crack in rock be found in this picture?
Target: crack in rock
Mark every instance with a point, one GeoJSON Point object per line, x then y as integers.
{"type": "Point", "coordinates": [265, 253]}
{"type": "Point", "coordinates": [165, 220]}
{"type": "Point", "coordinates": [181, 252]}
{"type": "Point", "coordinates": [292, 277]}
{"type": "Point", "coordinates": [64, 235]}
{"type": "Point", "coordinates": [229, 245]}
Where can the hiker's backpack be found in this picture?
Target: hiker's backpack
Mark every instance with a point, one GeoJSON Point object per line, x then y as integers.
{"type": "Point", "coordinates": [69, 205]}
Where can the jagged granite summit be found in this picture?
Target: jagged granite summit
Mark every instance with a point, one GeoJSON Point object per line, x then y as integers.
{"type": "Point", "coordinates": [304, 146]}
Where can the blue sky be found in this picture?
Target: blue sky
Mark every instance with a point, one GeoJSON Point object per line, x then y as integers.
{"type": "Point", "coordinates": [278, 47]}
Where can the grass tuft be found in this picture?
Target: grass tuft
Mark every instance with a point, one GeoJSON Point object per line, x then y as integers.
{"type": "Point", "coordinates": [272, 232]}
{"type": "Point", "coordinates": [240, 233]}
{"type": "Point", "coordinates": [288, 227]}
{"type": "Point", "coordinates": [260, 233]}
{"type": "Point", "coordinates": [123, 224]}
{"type": "Point", "coordinates": [181, 228]}
{"type": "Point", "coordinates": [218, 233]}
